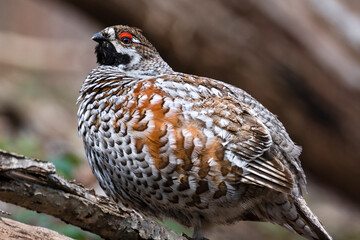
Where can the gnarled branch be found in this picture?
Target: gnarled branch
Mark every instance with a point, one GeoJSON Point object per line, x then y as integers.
{"type": "Point", "coordinates": [34, 184]}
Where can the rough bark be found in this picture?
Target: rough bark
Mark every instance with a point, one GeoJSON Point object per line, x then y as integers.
{"type": "Point", "coordinates": [34, 184]}
{"type": "Point", "coordinates": [299, 58]}
{"type": "Point", "coordinates": [12, 230]}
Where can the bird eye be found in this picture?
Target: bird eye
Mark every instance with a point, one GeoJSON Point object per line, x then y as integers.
{"type": "Point", "coordinates": [126, 38]}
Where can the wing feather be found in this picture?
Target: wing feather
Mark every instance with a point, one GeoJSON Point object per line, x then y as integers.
{"type": "Point", "coordinates": [238, 127]}
{"type": "Point", "coordinates": [253, 144]}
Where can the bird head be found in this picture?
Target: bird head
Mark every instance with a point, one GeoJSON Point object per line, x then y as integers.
{"type": "Point", "coordinates": [122, 46]}
{"type": "Point", "coordinates": [129, 51]}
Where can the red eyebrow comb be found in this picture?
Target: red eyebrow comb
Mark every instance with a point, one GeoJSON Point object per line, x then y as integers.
{"type": "Point", "coordinates": [125, 35]}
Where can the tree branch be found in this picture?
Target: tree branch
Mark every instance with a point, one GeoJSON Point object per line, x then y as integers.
{"type": "Point", "coordinates": [34, 184]}
{"type": "Point", "coordinates": [10, 229]}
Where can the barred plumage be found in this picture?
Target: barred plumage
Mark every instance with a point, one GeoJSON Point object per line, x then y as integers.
{"type": "Point", "coordinates": [195, 149]}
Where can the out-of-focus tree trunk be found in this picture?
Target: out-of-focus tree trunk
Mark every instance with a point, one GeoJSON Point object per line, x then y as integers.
{"type": "Point", "coordinates": [299, 58]}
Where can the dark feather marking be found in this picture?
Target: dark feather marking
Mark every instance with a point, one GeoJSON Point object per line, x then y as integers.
{"type": "Point", "coordinates": [106, 54]}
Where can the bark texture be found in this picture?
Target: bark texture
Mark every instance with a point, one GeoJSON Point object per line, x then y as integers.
{"type": "Point", "coordinates": [34, 184]}
{"type": "Point", "coordinates": [12, 230]}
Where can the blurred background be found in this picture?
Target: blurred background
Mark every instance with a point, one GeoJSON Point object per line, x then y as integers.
{"type": "Point", "coordinates": [300, 58]}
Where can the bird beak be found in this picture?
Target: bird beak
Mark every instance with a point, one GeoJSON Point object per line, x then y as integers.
{"type": "Point", "coordinates": [98, 37]}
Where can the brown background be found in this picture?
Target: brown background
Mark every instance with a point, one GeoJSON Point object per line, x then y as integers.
{"type": "Point", "coordinates": [299, 58]}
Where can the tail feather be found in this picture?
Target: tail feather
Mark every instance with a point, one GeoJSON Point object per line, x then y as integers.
{"type": "Point", "coordinates": [310, 218]}
{"type": "Point", "coordinates": [296, 216]}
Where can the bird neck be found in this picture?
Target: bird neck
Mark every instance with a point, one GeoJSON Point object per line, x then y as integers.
{"type": "Point", "coordinates": [147, 68]}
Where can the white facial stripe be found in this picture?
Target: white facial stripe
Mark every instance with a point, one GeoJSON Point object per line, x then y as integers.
{"type": "Point", "coordinates": [124, 50]}
{"type": "Point", "coordinates": [118, 47]}
{"type": "Point", "coordinates": [111, 33]}
{"type": "Point", "coordinates": [134, 55]}
{"type": "Point", "coordinates": [136, 59]}
{"type": "Point", "coordinates": [135, 40]}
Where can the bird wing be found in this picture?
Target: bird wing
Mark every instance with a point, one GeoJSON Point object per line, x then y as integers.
{"type": "Point", "coordinates": [246, 142]}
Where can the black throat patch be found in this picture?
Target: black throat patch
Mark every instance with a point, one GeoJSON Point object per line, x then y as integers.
{"type": "Point", "coordinates": [106, 54]}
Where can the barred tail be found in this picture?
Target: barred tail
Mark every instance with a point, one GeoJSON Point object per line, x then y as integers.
{"type": "Point", "coordinates": [297, 216]}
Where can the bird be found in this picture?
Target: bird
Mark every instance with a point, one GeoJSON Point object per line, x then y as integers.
{"type": "Point", "coordinates": [173, 145]}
